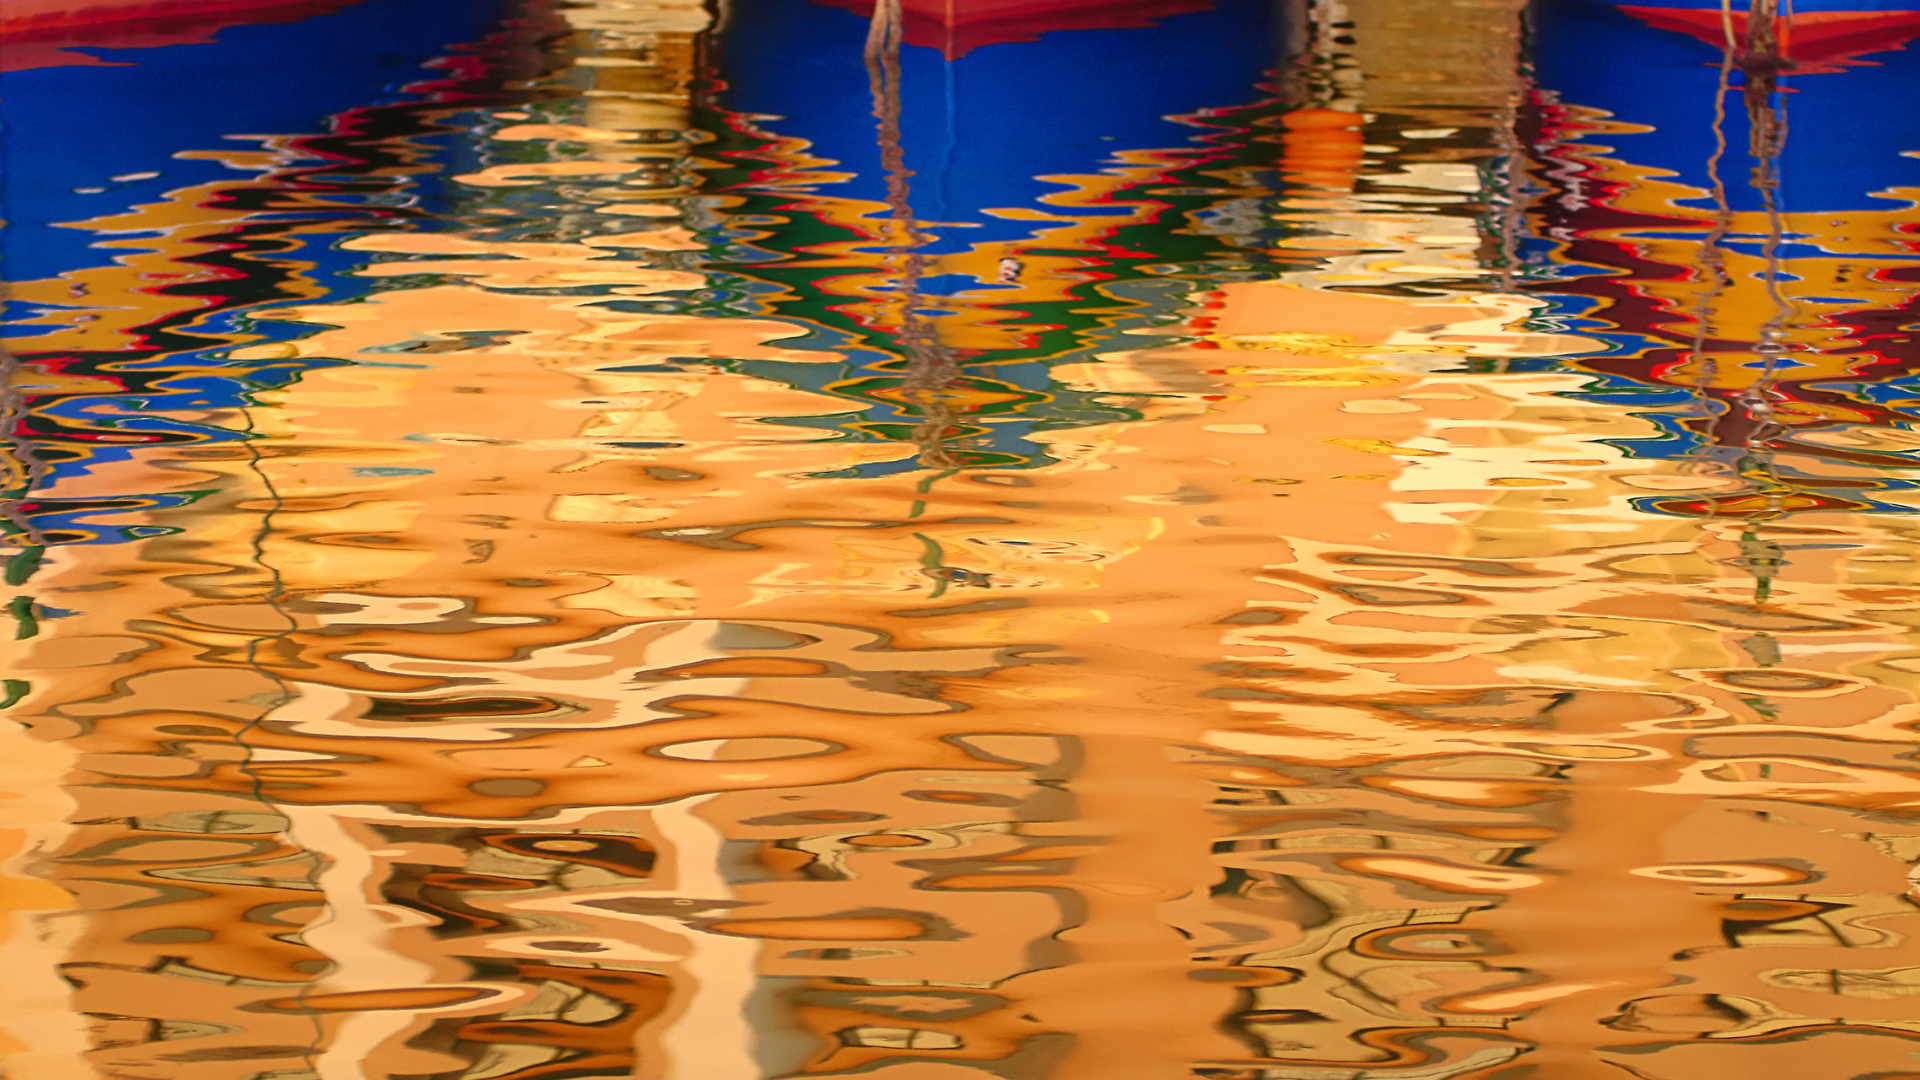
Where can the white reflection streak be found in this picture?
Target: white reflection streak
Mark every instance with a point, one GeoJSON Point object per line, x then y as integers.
{"type": "Point", "coordinates": [710, 1037]}
{"type": "Point", "coordinates": [353, 934]}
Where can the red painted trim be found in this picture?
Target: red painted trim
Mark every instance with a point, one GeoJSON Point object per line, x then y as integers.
{"type": "Point", "coordinates": [1813, 38]}
{"type": "Point", "coordinates": [38, 33]}
{"type": "Point", "coordinates": [956, 27]}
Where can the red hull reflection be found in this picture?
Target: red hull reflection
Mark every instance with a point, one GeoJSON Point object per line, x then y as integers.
{"type": "Point", "coordinates": [41, 33]}
{"type": "Point", "coordinates": [956, 27]}
{"type": "Point", "coordinates": [1809, 38]}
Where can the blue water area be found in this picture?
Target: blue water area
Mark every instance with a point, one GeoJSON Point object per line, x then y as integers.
{"type": "Point", "coordinates": [978, 132]}
{"type": "Point", "coordinates": [79, 126]}
{"type": "Point", "coordinates": [1848, 128]}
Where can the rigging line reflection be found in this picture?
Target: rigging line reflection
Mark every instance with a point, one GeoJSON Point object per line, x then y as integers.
{"type": "Point", "coordinates": [278, 643]}
{"type": "Point", "coordinates": [1711, 256]}
{"type": "Point", "coordinates": [931, 367]}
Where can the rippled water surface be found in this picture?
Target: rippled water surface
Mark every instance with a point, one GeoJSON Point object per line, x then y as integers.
{"type": "Point", "coordinates": [1244, 539]}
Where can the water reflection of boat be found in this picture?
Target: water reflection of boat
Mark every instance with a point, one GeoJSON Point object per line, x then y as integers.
{"type": "Point", "coordinates": [1017, 251]}
{"type": "Point", "coordinates": [1627, 215]}
{"type": "Point", "coordinates": [43, 33]}
{"type": "Point", "coordinates": [956, 27]}
{"type": "Point", "coordinates": [419, 752]}
{"type": "Point", "coordinates": [1811, 31]}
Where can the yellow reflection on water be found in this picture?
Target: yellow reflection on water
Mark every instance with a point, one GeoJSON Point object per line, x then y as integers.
{"type": "Point", "coordinates": [551, 687]}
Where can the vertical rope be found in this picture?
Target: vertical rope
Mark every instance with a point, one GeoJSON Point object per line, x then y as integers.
{"type": "Point", "coordinates": [1767, 117]}
{"type": "Point", "coordinates": [930, 365]}
{"type": "Point", "coordinates": [1713, 257]}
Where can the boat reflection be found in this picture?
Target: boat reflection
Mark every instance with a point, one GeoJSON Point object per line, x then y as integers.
{"type": "Point", "coordinates": [1254, 540]}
